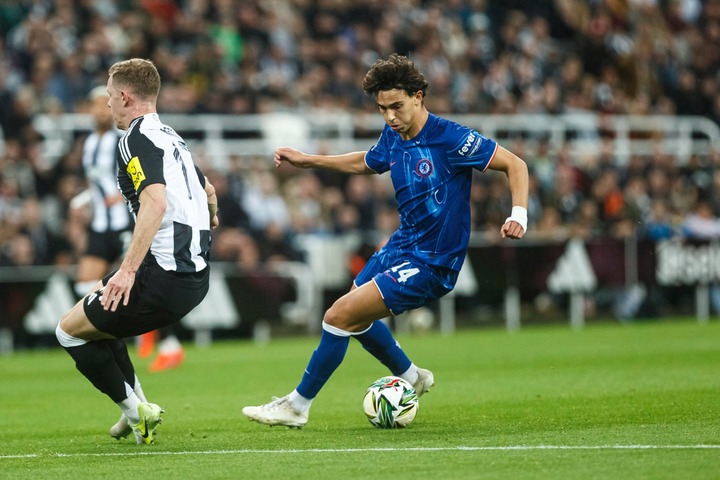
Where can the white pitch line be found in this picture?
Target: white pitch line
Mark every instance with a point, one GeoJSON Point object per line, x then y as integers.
{"type": "Point", "coordinates": [506, 448]}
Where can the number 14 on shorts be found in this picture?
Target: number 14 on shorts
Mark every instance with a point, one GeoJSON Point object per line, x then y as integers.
{"type": "Point", "coordinates": [404, 273]}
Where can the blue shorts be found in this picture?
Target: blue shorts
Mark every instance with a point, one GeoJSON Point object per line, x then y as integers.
{"type": "Point", "coordinates": [405, 282]}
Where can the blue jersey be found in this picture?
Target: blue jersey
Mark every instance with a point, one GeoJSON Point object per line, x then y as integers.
{"type": "Point", "coordinates": [432, 176]}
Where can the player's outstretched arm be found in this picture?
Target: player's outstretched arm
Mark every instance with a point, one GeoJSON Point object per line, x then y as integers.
{"type": "Point", "coordinates": [353, 163]}
{"type": "Point", "coordinates": [517, 172]}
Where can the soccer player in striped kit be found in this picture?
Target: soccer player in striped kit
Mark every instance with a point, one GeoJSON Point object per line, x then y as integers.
{"type": "Point", "coordinates": [165, 271]}
{"type": "Point", "coordinates": [111, 225]}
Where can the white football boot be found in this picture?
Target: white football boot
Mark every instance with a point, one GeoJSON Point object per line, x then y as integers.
{"type": "Point", "coordinates": [424, 381]}
{"type": "Point", "coordinates": [121, 429]}
{"type": "Point", "coordinates": [277, 412]}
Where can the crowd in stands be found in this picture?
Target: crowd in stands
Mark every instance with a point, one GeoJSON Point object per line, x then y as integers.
{"type": "Point", "coordinates": [257, 56]}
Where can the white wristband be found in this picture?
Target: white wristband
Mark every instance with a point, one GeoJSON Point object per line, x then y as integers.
{"type": "Point", "coordinates": [519, 215]}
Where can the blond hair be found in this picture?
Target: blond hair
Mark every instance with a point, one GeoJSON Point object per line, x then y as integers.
{"type": "Point", "coordinates": [139, 75]}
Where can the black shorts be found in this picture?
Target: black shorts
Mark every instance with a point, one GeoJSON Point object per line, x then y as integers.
{"type": "Point", "coordinates": [109, 245]}
{"type": "Point", "coordinates": [157, 299]}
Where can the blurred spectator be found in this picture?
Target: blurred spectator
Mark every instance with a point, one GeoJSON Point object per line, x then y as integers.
{"type": "Point", "coordinates": [17, 170]}
{"type": "Point", "coordinates": [275, 245]}
{"type": "Point", "coordinates": [588, 222]}
{"type": "Point", "coordinates": [264, 203]}
{"type": "Point", "coordinates": [549, 226]}
{"type": "Point", "coordinates": [230, 209]}
{"type": "Point", "coordinates": [47, 247]}
{"type": "Point", "coordinates": [702, 223]}
{"type": "Point", "coordinates": [658, 224]}
{"type": "Point", "coordinates": [606, 192]}
{"type": "Point", "coordinates": [307, 203]}
{"type": "Point", "coordinates": [637, 201]}
{"type": "Point", "coordinates": [18, 251]}
{"type": "Point", "coordinates": [564, 197]}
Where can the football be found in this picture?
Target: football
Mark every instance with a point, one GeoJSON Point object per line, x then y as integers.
{"type": "Point", "coordinates": [390, 402]}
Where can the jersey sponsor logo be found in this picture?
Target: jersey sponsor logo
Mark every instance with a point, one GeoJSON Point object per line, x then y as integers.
{"type": "Point", "coordinates": [136, 173]}
{"type": "Point", "coordinates": [468, 143]}
{"type": "Point", "coordinates": [424, 168]}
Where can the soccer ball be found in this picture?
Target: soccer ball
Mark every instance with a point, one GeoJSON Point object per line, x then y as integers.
{"type": "Point", "coordinates": [390, 402]}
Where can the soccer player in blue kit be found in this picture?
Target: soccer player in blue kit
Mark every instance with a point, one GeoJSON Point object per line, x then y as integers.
{"type": "Point", "coordinates": [431, 162]}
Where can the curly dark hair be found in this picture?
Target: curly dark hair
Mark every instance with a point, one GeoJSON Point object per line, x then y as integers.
{"type": "Point", "coordinates": [395, 72]}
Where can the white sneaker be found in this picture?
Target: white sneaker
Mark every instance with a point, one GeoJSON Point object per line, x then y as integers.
{"type": "Point", "coordinates": [277, 412]}
{"type": "Point", "coordinates": [425, 380]}
{"type": "Point", "coordinates": [121, 429]}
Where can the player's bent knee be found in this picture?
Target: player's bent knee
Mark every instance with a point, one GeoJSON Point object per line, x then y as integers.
{"type": "Point", "coordinates": [69, 322]}
{"type": "Point", "coordinates": [335, 317]}
{"type": "Point", "coordinates": [66, 340]}
{"type": "Point", "coordinates": [332, 319]}
{"type": "Point", "coordinates": [64, 331]}
{"type": "Point", "coordinates": [77, 325]}
{"type": "Point", "coordinates": [342, 319]}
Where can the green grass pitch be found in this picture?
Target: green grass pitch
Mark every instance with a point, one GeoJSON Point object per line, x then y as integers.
{"type": "Point", "coordinates": [638, 401]}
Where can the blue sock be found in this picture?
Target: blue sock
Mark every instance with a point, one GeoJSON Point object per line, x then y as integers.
{"type": "Point", "coordinates": [325, 359]}
{"type": "Point", "coordinates": [378, 340]}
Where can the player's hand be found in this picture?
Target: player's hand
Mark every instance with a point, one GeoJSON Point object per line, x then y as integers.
{"type": "Point", "coordinates": [214, 221]}
{"type": "Point", "coordinates": [117, 290]}
{"type": "Point", "coordinates": [289, 155]}
{"type": "Point", "coordinates": [512, 229]}
{"type": "Point", "coordinates": [516, 224]}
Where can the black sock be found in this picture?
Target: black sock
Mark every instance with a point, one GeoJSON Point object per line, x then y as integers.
{"type": "Point", "coordinates": [96, 361]}
{"type": "Point", "coordinates": [122, 359]}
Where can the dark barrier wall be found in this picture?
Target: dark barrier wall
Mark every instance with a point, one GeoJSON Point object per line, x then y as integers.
{"type": "Point", "coordinates": [33, 299]}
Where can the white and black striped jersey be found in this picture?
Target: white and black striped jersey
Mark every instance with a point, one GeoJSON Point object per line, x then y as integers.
{"type": "Point", "coordinates": [150, 152]}
{"type": "Point", "coordinates": [98, 158]}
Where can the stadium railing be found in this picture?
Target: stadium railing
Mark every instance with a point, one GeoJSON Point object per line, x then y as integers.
{"type": "Point", "coordinates": [220, 137]}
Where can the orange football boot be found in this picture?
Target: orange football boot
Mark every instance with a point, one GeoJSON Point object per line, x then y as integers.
{"type": "Point", "coordinates": [146, 344]}
{"type": "Point", "coordinates": [167, 361]}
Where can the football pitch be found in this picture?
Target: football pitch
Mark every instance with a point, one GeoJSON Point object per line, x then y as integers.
{"type": "Point", "coordinates": [637, 401]}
